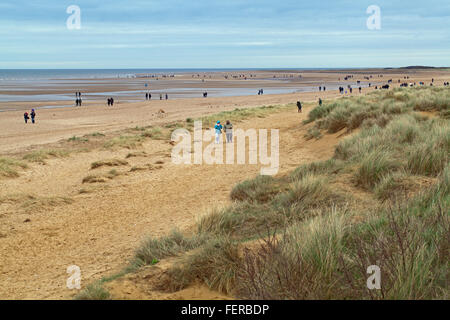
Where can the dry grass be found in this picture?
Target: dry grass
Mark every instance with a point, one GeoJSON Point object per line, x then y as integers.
{"type": "Point", "coordinates": [125, 141]}
{"type": "Point", "coordinates": [78, 139]}
{"type": "Point", "coordinates": [39, 156]}
{"type": "Point", "coordinates": [136, 155]}
{"type": "Point", "coordinates": [216, 264]}
{"type": "Point", "coordinates": [242, 114]}
{"type": "Point", "coordinates": [155, 249]}
{"type": "Point", "coordinates": [155, 133]}
{"type": "Point", "coordinates": [8, 167]}
{"type": "Point", "coordinates": [94, 179]}
{"type": "Point", "coordinates": [108, 163]}
{"type": "Point", "coordinates": [29, 203]}
{"type": "Point", "coordinates": [260, 189]}
{"type": "Point", "coordinates": [94, 292]}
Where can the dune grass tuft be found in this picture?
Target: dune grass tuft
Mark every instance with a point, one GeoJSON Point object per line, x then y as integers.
{"type": "Point", "coordinates": [94, 292]}
{"type": "Point", "coordinates": [168, 246]}
{"type": "Point", "coordinates": [8, 167]}
{"type": "Point", "coordinates": [108, 163]}
{"type": "Point", "coordinates": [125, 141]}
{"type": "Point", "coordinates": [40, 156]}
{"type": "Point", "coordinates": [261, 189]}
{"type": "Point", "coordinates": [216, 264]}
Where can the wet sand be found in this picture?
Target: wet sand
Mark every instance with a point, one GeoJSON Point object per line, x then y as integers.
{"type": "Point", "coordinates": [24, 94]}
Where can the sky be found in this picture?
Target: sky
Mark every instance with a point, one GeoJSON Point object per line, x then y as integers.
{"type": "Point", "coordinates": [223, 34]}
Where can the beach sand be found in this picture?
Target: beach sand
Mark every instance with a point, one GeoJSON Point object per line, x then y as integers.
{"type": "Point", "coordinates": [58, 221]}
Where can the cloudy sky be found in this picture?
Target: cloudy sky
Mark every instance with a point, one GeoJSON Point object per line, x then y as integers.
{"type": "Point", "coordinates": [223, 34]}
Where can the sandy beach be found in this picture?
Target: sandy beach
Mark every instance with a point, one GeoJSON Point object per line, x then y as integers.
{"type": "Point", "coordinates": [50, 219]}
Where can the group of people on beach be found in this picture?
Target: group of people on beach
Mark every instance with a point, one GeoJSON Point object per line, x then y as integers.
{"type": "Point", "coordinates": [32, 115]}
{"type": "Point", "coordinates": [227, 128]}
{"type": "Point", "coordinates": [260, 92]}
{"type": "Point", "coordinates": [148, 96]}
{"type": "Point", "coordinates": [299, 105]}
{"type": "Point", "coordinates": [110, 101]}
{"type": "Point", "coordinates": [78, 100]}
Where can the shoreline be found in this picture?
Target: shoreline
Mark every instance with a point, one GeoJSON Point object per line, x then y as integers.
{"type": "Point", "coordinates": [44, 92]}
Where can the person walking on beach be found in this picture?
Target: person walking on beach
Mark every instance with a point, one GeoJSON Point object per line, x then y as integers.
{"type": "Point", "coordinates": [146, 96]}
{"type": "Point", "coordinates": [229, 131]}
{"type": "Point", "coordinates": [167, 96]}
{"type": "Point", "coordinates": [218, 128]}
{"type": "Point", "coordinates": [26, 117]}
{"type": "Point", "coordinates": [149, 96]}
{"type": "Point", "coordinates": [112, 101]}
{"type": "Point", "coordinates": [33, 115]}
{"type": "Point", "coordinates": [299, 106]}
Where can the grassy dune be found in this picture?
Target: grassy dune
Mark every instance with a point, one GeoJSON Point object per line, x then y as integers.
{"type": "Point", "coordinates": [9, 167]}
{"type": "Point", "coordinates": [241, 114]}
{"type": "Point", "coordinates": [302, 236]}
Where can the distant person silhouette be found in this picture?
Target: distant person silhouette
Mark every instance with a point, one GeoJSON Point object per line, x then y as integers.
{"type": "Point", "coordinates": [229, 131]}
{"type": "Point", "coordinates": [33, 115]}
